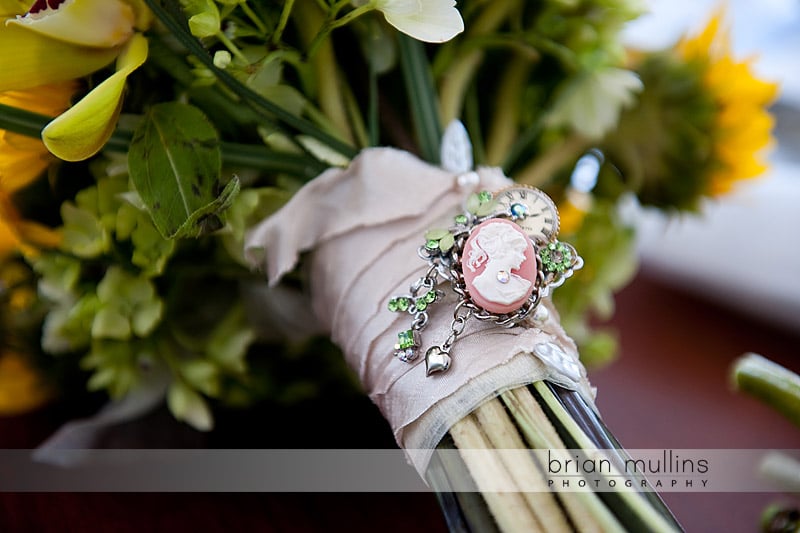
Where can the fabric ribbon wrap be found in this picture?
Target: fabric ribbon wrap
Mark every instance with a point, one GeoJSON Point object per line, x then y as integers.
{"type": "Point", "coordinates": [363, 226]}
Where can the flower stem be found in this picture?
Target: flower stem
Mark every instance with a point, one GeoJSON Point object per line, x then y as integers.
{"type": "Point", "coordinates": [233, 48]}
{"type": "Point", "coordinates": [256, 156]}
{"type": "Point", "coordinates": [769, 382]}
{"type": "Point", "coordinates": [503, 127]}
{"type": "Point", "coordinates": [264, 107]}
{"type": "Point", "coordinates": [421, 93]}
{"type": "Point", "coordinates": [373, 133]}
{"type": "Point", "coordinates": [287, 10]}
{"type": "Point", "coordinates": [541, 170]}
{"type": "Point", "coordinates": [256, 20]}
{"type": "Point", "coordinates": [332, 24]}
{"type": "Point", "coordinates": [22, 121]}
{"type": "Point", "coordinates": [331, 99]}
{"type": "Point", "coordinates": [460, 75]}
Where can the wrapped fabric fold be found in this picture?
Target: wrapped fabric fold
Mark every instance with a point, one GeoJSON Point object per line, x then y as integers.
{"type": "Point", "coordinates": [363, 226]}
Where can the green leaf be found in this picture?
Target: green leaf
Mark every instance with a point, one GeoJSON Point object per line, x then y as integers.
{"type": "Point", "coordinates": [422, 97]}
{"type": "Point", "coordinates": [177, 26]}
{"type": "Point", "coordinates": [188, 406]}
{"type": "Point", "coordinates": [206, 219]}
{"type": "Point", "coordinates": [174, 163]}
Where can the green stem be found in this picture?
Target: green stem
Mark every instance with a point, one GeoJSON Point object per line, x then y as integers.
{"type": "Point", "coordinates": [330, 96]}
{"type": "Point", "coordinates": [373, 132]}
{"type": "Point", "coordinates": [254, 156]}
{"type": "Point", "coordinates": [769, 382]}
{"type": "Point", "coordinates": [233, 48]}
{"type": "Point", "coordinates": [287, 10]}
{"type": "Point", "coordinates": [260, 104]}
{"type": "Point", "coordinates": [460, 74]}
{"type": "Point", "coordinates": [523, 144]}
{"type": "Point", "coordinates": [505, 113]}
{"type": "Point", "coordinates": [331, 25]}
{"type": "Point", "coordinates": [256, 20]}
{"type": "Point", "coordinates": [634, 501]}
{"type": "Point", "coordinates": [421, 96]}
{"type": "Point", "coordinates": [22, 122]}
{"type": "Point", "coordinates": [541, 171]}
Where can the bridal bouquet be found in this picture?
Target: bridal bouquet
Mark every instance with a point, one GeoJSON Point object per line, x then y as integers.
{"type": "Point", "coordinates": [164, 163]}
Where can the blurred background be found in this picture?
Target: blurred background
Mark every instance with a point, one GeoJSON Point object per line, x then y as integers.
{"type": "Point", "coordinates": [715, 285]}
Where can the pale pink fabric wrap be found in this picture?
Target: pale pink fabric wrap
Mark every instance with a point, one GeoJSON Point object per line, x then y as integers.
{"type": "Point", "coordinates": [363, 226]}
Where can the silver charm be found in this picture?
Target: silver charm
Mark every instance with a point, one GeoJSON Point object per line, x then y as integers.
{"type": "Point", "coordinates": [537, 265]}
{"type": "Point", "coordinates": [436, 360]}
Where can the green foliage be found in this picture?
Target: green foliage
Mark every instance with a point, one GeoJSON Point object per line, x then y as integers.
{"type": "Point", "coordinates": [607, 247]}
{"type": "Point", "coordinates": [663, 145]}
{"type": "Point", "coordinates": [174, 162]}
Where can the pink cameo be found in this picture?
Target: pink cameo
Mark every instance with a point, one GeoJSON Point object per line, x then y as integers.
{"type": "Point", "coordinates": [499, 266]}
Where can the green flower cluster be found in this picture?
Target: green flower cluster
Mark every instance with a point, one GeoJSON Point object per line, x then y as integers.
{"type": "Point", "coordinates": [119, 292]}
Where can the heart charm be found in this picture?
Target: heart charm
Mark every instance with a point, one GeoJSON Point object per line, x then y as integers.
{"type": "Point", "coordinates": [436, 360]}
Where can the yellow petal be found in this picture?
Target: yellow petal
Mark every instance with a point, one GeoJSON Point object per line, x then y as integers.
{"type": "Point", "coordinates": [10, 8]}
{"type": "Point", "coordinates": [21, 388]}
{"type": "Point", "coordinates": [95, 23]}
{"type": "Point", "coordinates": [50, 100]}
{"type": "Point", "coordinates": [81, 131]}
{"type": "Point", "coordinates": [22, 160]}
{"type": "Point", "coordinates": [28, 59]}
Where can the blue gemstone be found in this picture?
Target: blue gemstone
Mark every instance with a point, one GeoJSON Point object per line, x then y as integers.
{"type": "Point", "coordinates": [519, 210]}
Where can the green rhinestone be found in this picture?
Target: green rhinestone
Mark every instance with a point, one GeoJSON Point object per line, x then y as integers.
{"type": "Point", "coordinates": [421, 303]}
{"type": "Point", "coordinates": [556, 257]}
{"type": "Point", "coordinates": [405, 339]}
{"type": "Point", "coordinates": [461, 219]}
{"type": "Point", "coordinates": [430, 296]}
{"type": "Point", "coordinates": [393, 306]}
{"type": "Point", "coordinates": [432, 244]}
{"type": "Point", "coordinates": [403, 303]}
{"type": "Point", "coordinates": [484, 196]}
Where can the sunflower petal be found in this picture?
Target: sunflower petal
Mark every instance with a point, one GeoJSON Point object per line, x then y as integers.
{"type": "Point", "coordinates": [81, 131]}
{"type": "Point", "coordinates": [94, 23]}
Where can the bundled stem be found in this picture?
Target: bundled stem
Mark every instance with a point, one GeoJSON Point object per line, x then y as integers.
{"type": "Point", "coordinates": [513, 485]}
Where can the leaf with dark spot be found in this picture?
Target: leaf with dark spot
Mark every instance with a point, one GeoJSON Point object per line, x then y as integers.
{"type": "Point", "coordinates": [174, 162]}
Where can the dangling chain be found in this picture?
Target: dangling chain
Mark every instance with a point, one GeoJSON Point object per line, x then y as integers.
{"type": "Point", "coordinates": [443, 251]}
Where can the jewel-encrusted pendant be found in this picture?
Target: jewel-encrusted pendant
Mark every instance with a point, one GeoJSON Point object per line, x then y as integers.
{"type": "Point", "coordinates": [501, 257]}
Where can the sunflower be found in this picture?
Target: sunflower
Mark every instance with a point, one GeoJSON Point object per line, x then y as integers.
{"type": "Point", "coordinates": [700, 125]}
{"type": "Point", "coordinates": [22, 388]}
{"type": "Point", "coordinates": [22, 160]}
{"type": "Point", "coordinates": [742, 125]}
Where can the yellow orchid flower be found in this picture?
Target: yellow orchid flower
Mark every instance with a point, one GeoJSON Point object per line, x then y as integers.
{"type": "Point", "coordinates": [81, 131]}
{"type": "Point", "coordinates": [59, 40]}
